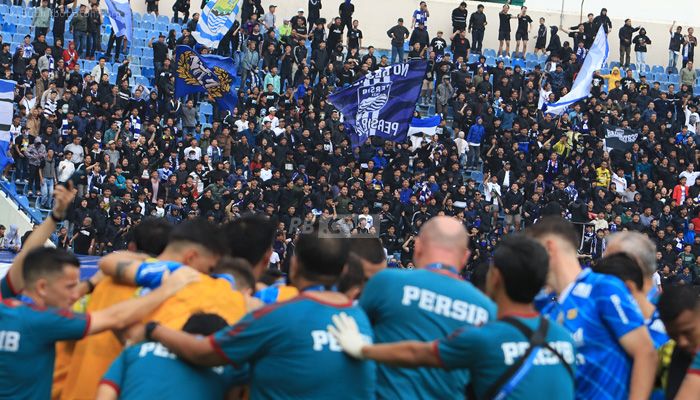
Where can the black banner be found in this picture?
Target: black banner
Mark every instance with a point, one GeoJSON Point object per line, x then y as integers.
{"type": "Point", "coordinates": [620, 138]}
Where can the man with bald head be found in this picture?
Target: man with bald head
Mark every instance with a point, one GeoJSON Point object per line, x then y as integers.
{"type": "Point", "coordinates": [425, 304]}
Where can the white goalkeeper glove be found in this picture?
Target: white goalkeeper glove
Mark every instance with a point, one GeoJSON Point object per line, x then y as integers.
{"type": "Point", "coordinates": [346, 333]}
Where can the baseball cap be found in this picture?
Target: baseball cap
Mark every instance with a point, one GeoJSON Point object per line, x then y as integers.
{"type": "Point", "coordinates": [301, 10]}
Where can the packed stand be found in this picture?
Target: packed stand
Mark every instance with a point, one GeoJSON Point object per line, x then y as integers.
{"type": "Point", "coordinates": [497, 162]}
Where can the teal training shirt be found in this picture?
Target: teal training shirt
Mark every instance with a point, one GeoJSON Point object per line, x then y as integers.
{"type": "Point", "coordinates": [149, 371]}
{"type": "Point", "coordinates": [7, 291]}
{"type": "Point", "coordinates": [28, 337]}
{"type": "Point", "coordinates": [424, 305]}
{"type": "Point", "coordinates": [292, 355]}
{"type": "Point", "coordinates": [489, 351]}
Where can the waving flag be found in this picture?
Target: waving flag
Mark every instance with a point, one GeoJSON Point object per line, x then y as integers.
{"type": "Point", "coordinates": [120, 17]}
{"type": "Point", "coordinates": [427, 126]}
{"type": "Point", "coordinates": [381, 103]}
{"type": "Point", "coordinates": [7, 96]}
{"type": "Point", "coordinates": [584, 80]}
{"type": "Point", "coordinates": [217, 18]}
{"type": "Point", "coordinates": [198, 73]}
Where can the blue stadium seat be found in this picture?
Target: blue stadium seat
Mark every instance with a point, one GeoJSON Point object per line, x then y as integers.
{"type": "Point", "coordinates": [489, 53]}
{"type": "Point", "coordinates": [16, 10]}
{"type": "Point", "coordinates": [696, 90]}
{"type": "Point", "coordinates": [673, 78]}
{"type": "Point", "coordinates": [4, 9]}
{"type": "Point", "coordinates": [163, 19]}
{"type": "Point", "coordinates": [149, 18]}
{"type": "Point", "coordinates": [206, 108]}
{"type": "Point", "coordinates": [137, 17]}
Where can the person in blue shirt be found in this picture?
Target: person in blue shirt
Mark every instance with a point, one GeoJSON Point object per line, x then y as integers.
{"type": "Point", "coordinates": [626, 269]}
{"type": "Point", "coordinates": [679, 309]}
{"type": "Point", "coordinates": [32, 323]}
{"type": "Point", "coordinates": [474, 137]}
{"type": "Point", "coordinates": [616, 357]}
{"type": "Point", "coordinates": [642, 251]}
{"type": "Point", "coordinates": [490, 352]}
{"type": "Point", "coordinates": [149, 370]}
{"type": "Point", "coordinates": [290, 352]}
{"type": "Point", "coordinates": [425, 304]}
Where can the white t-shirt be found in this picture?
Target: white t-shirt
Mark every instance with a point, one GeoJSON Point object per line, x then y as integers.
{"type": "Point", "coordinates": [274, 258]}
{"type": "Point", "coordinates": [65, 170]}
{"type": "Point", "coordinates": [265, 174]}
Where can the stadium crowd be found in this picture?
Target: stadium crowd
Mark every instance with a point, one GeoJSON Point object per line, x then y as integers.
{"type": "Point", "coordinates": [139, 163]}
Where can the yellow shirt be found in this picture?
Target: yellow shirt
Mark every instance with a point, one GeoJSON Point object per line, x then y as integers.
{"type": "Point", "coordinates": [93, 355]}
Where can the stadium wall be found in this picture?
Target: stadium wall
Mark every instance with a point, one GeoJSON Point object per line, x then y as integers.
{"type": "Point", "coordinates": [377, 16]}
{"type": "Point", "coordinates": [11, 214]}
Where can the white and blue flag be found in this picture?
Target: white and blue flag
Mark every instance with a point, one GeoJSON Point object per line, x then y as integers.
{"type": "Point", "coordinates": [427, 126]}
{"type": "Point", "coordinates": [7, 97]}
{"type": "Point", "coordinates": [119, 12]}
{"type": "Point", "coordinates": [216, 19]}
{"type": "Point", "coordinates": [584, 80]}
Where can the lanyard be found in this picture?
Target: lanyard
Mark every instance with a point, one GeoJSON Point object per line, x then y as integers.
{"type": "Point", "coordinates": [440, 266]}
{"type": "Point", "coordinates": [319, 288]}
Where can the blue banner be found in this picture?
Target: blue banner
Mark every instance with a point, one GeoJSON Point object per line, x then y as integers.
{"type": "Point", "coordinates": [217, 18]}
{"type": "Point", "coordinates": [198, 73]}
{"type": "Point", "coordinates": [120, 17]}
{"type": "Point", "coordinates": [381, 103]}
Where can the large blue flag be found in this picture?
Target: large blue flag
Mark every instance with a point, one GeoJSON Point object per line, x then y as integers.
{"type": "Point", "coordinates": [120, 17]}
{"type": "Point", "coordinates": [217, 18]}
{"type": "Point", "coordinates": [198, 73]}
{"type": "Point", "coordinates": [381, 103]}
{"type": "Point", "coordinates": [7, 97]}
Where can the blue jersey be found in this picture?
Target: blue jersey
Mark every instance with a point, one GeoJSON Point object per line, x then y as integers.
{"type": "Point", "coordinates": [28, 337]}
{"type": "Point", "coordinates": [598, 310]}
{"type": "Point", "coordinates": [695, 364]}
{"type": "Point", "coordinates": [292, 355]}
{"type": "Point", "coordinates": [149, 370]}
{"type": "Point", "coordinates": [150, 272]}
{"type": "Point", "coordinates": [421, 305]}
{"type": "Point", "coordinates": [657, 330]}
{"type": "Point", "coordinates": [488, 352]}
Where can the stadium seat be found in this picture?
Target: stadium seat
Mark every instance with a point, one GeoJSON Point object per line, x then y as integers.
{"type": "Point", "coordinates": [206, 108]}
{"type": "Point", "coordinates": [163, 19]}
{"type": "Point", "coordinates": [4, 9]}
{"type": "Point", "coordinates": [16, 10]}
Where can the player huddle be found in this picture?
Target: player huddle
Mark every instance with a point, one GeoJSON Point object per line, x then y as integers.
{"type": "Point", "coordinates": [179, 315]}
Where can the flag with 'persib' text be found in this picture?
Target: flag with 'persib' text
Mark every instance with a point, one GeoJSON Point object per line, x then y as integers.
{"type": "Point", "coordinates": [217, 18]}
{"type": "Point", "coordinates": [382, 102]}
{"type": "Point", "coordinates": [198, 73]}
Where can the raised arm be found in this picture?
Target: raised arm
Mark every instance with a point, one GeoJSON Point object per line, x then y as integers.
{"type": "Point", "coordinates": [122, 265]}
{"type": "Point", "coordinates": [195, 349]}
{"type": "Point", "coordinates": [63, 199]}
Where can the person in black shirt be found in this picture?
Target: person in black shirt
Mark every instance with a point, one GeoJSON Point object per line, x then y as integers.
{"type": "Point", "coordinates": [419, 35]}
{"type": "Point", "coordinates": [314, 12]}
{"type": "Point", "coordinates": [335, 33]}
{"type": "Point", "coordinates": [345, 10]}
{"type": "Point", "coordinates": [504, 30]}
{"type": "Point", "coordinates": [459, 18]}
{"type": "Point", "coordinates": [438, 44]}
{"type": "Point", "coordinates": [460, 45]}
{"type": "Point", "coordinates": [521, 33]}
{"type": "Point", "coordinates": [354, 36]}
{"type": "Point", "coordinates": [160, 52]}
{"type": "Point", "coordinates": [625, 36]}
{"type": "Point", "coordinates": [477, 25]}
{"type": "Point", "coordinates": [603, 20]}
{"type": "Point", "coordinates": [674, 47]}
{"type": "Point", "coordinates": [541, 40]}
